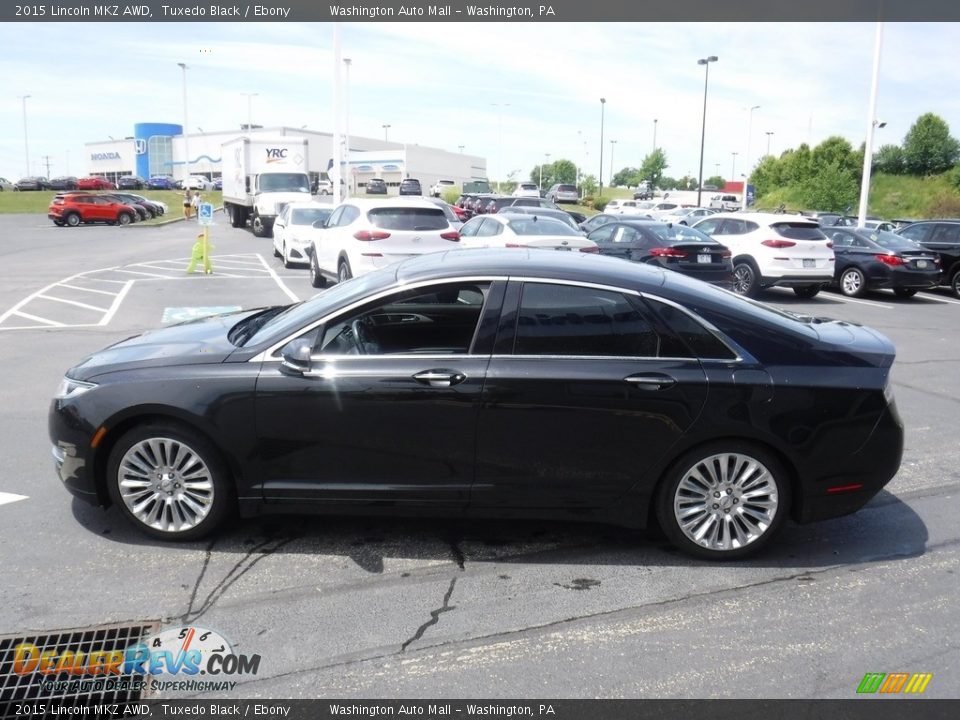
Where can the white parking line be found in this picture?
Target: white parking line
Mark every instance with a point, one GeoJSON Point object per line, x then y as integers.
{"type": "Point", "coordinates": [842, 298]}
{"type": "Point", "coordinates": [28, 316]}
{"type": "Point", "coordinates": [935, 298]}
{"type": "Point", "coordinates": [93, 290]}
{"type": "Point", "coordinates": [7, 498]}
{"type": "Point", "coordinates": [108, 316]}
{"type": "Point", "coordinates": [73, 302]}
{"type": "Point", "coordinates": [145, 274]}
{"type": "Point", "coordinates": [280, 283]}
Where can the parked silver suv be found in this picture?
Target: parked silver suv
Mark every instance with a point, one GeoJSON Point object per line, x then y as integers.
{"type": "Point", "coordinates": [562, 193]}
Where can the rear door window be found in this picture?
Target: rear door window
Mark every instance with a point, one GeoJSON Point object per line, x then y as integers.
{"type": "Point", "coordinates": [946, 233]}
{"type": "Point", "coordinates": [734, 226]}
{"type": "Point", "coordinates": [917, 233]}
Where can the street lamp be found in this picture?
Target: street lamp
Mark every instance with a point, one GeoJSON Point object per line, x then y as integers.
{"type": "Point", "coordinates": [26, 146]}
{"type": "Point", "coordinates": [872, 124]}
{"type": "Point", "coordinates": [386, 130]}
{"type": "Point", "coordinates": [717, 166]}
{"type": "Point", "coordinates": [603, 105]}
{"type": "Point", "coordinates": [733, 165]}
{"type": "Point", "coordinates": [612, 143]}
{"type": "Point", "coordinates": [703, 131]}
{"type": "Point", "coordinates": [540, 184]}
{"type": "Point", "coordinates": [250, 97]}
{"type": "Point", "coordinates": [770, 134]}
{"type": "Point", "coordinates": [655, 134]}
{"type": "Point", "coordinates": [346, 124]}
{"type": "Point", "coordinates": [499, 137]}
{"type": "Point", "coordinates": [186, 125]}
{"type": "Point", "coordinates": [746, 175]}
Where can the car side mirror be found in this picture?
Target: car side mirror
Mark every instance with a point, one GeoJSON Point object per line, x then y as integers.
{"type": "Point", "coordinates": [295, 355]}
{"type": "Point", "coordinates": [319, 224]}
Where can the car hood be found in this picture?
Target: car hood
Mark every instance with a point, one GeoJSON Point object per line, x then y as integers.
{"type": "Point", "coordinates": [202, 341]}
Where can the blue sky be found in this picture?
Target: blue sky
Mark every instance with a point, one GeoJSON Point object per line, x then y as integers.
{"type": "Point", "coordinates": [436, 84]}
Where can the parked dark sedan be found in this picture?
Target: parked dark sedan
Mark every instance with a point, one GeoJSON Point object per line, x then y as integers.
{"type": "Point", "coordinates": [161, 182]}
{"type": "Point", "coordinates": [869, 260]}
{"type": "Point", "coordinates": [943, 238]}
{"type": "Point", "coordinates": [376, 186]}
{"type": "Point", "coordinates": [491, 383]}
{"type": "Point", "coordinates": [152, 206]}
{"type": "Point", "coordinates": [674, 247]}
{"type": "Point", "coordinates": [32, 183]}
{"type": "Point", "coordinates": [66, 182]}
{"type": "Point", "coordinates": [131, 182]}
{"type": "Point", "coordinates": [591, 224]}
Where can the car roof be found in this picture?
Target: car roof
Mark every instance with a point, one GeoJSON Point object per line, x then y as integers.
{"type": "Point", "coordinates": [764, 217]}
{"type": "Point", "coordinates": [404, 201]}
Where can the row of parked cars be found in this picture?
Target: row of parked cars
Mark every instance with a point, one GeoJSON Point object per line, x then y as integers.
{"type": "Point", "coordinates": [96, 182]}
{"type": "Point", "coordinates": [80, 207]}
{"type": "Point", "coordinates": [746, 252]}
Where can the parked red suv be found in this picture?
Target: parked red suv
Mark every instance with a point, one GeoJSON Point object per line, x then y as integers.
{"type": "Point", "coordinates": [75, 208]}
{"type": "Point", "coordinates": [95, 183]}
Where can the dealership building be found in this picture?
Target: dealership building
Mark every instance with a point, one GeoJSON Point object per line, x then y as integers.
{"type": "Point", "coordinates": [163, 149]}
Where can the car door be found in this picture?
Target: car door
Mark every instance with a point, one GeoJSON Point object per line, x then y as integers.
{"type": "Point", "coordinates": [584, 394]}
{"type": "Point", "coordinates": [279, 227]}
{"type": "Point", "coordinates": [843, 249]}
{"type": "Point", "coordinates": [387, 410]}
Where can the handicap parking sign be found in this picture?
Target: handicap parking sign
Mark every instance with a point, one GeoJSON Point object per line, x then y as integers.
{"type": "Point", "coordinates": [205, 214]}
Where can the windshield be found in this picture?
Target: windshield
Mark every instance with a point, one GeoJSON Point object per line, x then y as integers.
{"type": "Point", "coordinates": [308, 216]}
{"type": "Point", "coordinates": [284, 182]}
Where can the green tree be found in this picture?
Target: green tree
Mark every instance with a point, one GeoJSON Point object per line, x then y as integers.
{"type": "Point", "coordinates": [653, 166]}
{"type": "Point", "coordinates": [798, 166]}
{"type": "Point", "coordinates": [833, 188]}
{"type": "Point", "coordinates": [889, 159]}
{"type": "Point", "coordinates": [626, 177]}
{"type": "Point", "coordinates": [767, 176]}
{"type": "Point", "coordinates": [588, 183]}
{"type": "Point", "coordinates": [563, 171]}
{"type": "Point", "coordinates": [668, 183]}
{"type": "Point", "coordinates": [836, 151]}
{"type": "Point", "coordinates": [716, 181]}
{"type": "Point", "coordinates": [928, 147]}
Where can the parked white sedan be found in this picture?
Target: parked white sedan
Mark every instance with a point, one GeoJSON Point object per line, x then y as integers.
{"type": "Point", "coordinates": [362, 235]}
{"type": "Point", "coordinates": [292, 231]}
{"type": "Point", "coordinates": [518, 231]}
{"type": "Point", "coordinates": [527, 189]}
{"type": "Point", "coordinates": [196, 182]}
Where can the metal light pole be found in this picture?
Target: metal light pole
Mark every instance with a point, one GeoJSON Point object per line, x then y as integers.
{"type": "Point", "coordinates": [871, 125]}
{"type": "Point", "coordinates": [603, 105]}
{"type": "Point", "coordinates": [612, 143]}
{"type": "Point", "coordinates": [26, 145]}
{"type": "Point", "coordinates": [770, 134]}
{"type": "Point", "coordinates": [461, 147]}
{"type": "Point", "coordinates": [654, 134]}
{"type": "Point", "coordinates": [499, 137]}
{"type": "Point", "coordinates": [746, 175]}
{"type": "Point", "coordinates": [346, 125]}
{"type": "Point", "coordinates": [703, 131]}
{"type": "Point", "coordinates": [540, 184]}
{"type": "Point", "coordinates": [733, 165]}
{"type": "Point", "coordinates": [250, 97]}
{"type": "Point", "coordinates": [386, 137]}
{"type": "Point", "coordinates": [186, 125]}
{"type": "Point", "coordinates": [336, 169]}
{"type": "Point", "coordinates": [717, 166]}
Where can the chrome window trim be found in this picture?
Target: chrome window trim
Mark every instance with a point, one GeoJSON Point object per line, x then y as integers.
{"type": "Point", "coordinates": [268, 355]}
{"type": "Point", "coordinates": [629, 358]}
{"type": "Point", "coordinates": [712, 329]}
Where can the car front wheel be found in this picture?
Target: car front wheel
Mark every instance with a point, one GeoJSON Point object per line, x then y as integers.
{"type": "Point", "coordinates": [170, 483]}
{"type": "Point", "coordinates": [955, 283]}
{"type": "Point", "coordinates": [343, 271]}
{"type": "Point", "coordinates": [725, 500]}
{"type": "Point", "coordinates": [124, 218]}
{"type": "Point", "coordinates": [807, 291]}
{"type": "Point", "coordinates": [72, 219]}
{"type": "Point", "coordinates": [905, 292]}
{"type": "Point", "coordinates": [852, 282]}
{"type": "Point", "coordinates": [317, 279]}
{"type": "Point", "coordinates": [745, 279]}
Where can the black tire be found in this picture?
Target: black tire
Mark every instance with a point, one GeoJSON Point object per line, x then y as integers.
{"type": "Point", "coordinates": [852, 282]}
{"type": "Point", "coordinates": [955, 283]}
{"type": "Point", "coordinates": [236, 217]}
{"type": "Point", "coordinates": [671, 500]}
{"type": "Point", "coordinates": [746, 278]}
{"type": "Point", "coordinates": [222, 495]}
{"type": "Point", "coordinates": [905, 293]}
{"type": "Point", "coordinates": [317, 279]}
{"type": "Point", "coordinates": [276, 253]}
{"type": "Point", "coordinates": [72, 219]}
{"type": "Point", "coordinates": [343, 271]}
{"type": "Point", "coordinates": [58, 223]}
{"type": "Point", "coordinates": [807, 291]}
{"type": "Point", "coordinates": [124, 218]}
{"type": "Point", "coordinates": [259, 226]}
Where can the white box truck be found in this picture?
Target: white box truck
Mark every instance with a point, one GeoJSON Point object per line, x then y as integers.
{"type": "Point", "coordinates": [260, 176]}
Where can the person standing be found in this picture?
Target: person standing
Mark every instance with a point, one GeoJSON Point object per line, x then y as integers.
{"type": "Point", "coordinates": [187, 204]}
{"type": "Point", "coordinates": [195, 202]}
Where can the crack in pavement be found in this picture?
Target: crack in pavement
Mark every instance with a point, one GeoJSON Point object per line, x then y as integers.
{"type": "Point", "coordinates": [434, 616]}
{"type": "Point", "coordinates": [357, 658]}
{"type": "Point", "coordinates": [230, 579]}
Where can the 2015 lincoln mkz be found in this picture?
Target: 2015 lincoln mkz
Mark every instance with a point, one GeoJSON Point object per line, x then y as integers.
{"type": "Point", "coordinates": [491, 383]}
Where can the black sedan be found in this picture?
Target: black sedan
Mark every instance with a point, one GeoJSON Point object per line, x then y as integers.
{"type": "Point", "coordinates": [376, 186]}
{"type": "Point", "coordinates": [592, 223]}
{"type": "Point", "coordinates": [131, 182]}
{"type": "Point", "coordinates": [491, 383]}
{"type": "Point", "coordinates": [869, 260]}
{"type": "Point", "coordinates": [674, 247]}
{"type": "Point", "coordinates": [32, 183]}
{"type": "Point", "coordinates": [64, 182]}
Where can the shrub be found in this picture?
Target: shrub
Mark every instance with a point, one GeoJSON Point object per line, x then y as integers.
{"type": "Point", "coordinates": [599, 203]}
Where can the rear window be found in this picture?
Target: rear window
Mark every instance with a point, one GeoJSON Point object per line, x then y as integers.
{"type": "Point", "coordinates": [540, 226]}
{"type": "Point", "coordinates": [407, 218]}
{"type": "Point", "coordinates": [892, 241]}
{"type": "Point", "coordinates": [799, 231]}
{"type": "Point", "coordinates": [680, 233]}
{"type": "Point", "coordinates": [528, 186]}
{"type": "Point", "coordinates": [567, 188]}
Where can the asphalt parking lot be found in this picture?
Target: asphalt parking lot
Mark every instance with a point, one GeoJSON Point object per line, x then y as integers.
{"type": "Point", "coordinates": [373, 608]}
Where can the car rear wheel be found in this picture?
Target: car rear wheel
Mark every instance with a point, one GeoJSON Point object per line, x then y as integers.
{"type": "Point", "coordinates": [807, 291]}
{"type": "Point", "coordinates": [72, 219]}
{"type": "Point", "coordinates": [169, 482]}
{"type": "Point", "coordinates": [905, 292]}
{"type": "Point", "coordinates": [317, 279]}
{"type": "Point", "coordinates": [724, 500]}
{"type": "Point", "coordinates": [955, 283]}
{"type": "Point", "coordinates": [746, 280]}
{"type": "Point", "coordinates": [124, 218]}
{"type": "Point", "coordinates": [852, 282]}
{"type": "Point", "coordinates": [343, 271]}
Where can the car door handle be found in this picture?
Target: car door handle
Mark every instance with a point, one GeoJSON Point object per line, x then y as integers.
{"type": "Point", "coordinates": [440, 378]}
{"type": "Point", "coordinates": [651, 381]}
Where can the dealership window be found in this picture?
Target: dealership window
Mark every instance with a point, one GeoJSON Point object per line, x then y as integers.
{"type": "Point", "coordinates": [160, 149]}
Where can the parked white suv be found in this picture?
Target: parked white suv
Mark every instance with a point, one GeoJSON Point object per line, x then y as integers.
{"type": "Point", "coordinates": [771, 249]}
{"type": "Point", "coordinates": [436, 190]}
{"type": "Point", "coordinates": [726, 203]}
{"type": "Point", "coordinates": [527, 189]}
{"type": "Point", "coordinates": [362, 235]}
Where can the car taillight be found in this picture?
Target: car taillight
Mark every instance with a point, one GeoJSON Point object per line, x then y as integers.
{"type": "Point", "coordinates": [452, 235]}
{"type": "Point", "coordinates": [726, 255]}
{"type": "Point", "coordinates": [590, 249]}
{"type": "Point", "coordinates": [891, 260]}
{"type": "Point", "coordinates": [829, 244]}
{"type": "Point", "coordinates": [371, 235]}
{"type": "Point", "coordinates": [778, 243]}
{"type": "Point", "coordinates": [668, 252]}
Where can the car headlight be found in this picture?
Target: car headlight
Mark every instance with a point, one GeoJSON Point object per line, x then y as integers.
{"type": "Point", "coordinates": [70, 388]}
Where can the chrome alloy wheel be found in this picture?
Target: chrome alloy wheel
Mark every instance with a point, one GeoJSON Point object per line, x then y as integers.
{"type": "Point", "coordinates": [851, 282]}
{"type": "Point", "coordinates": [726, 501]}
{"type": "Point", "coordinates": [165, 484]}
